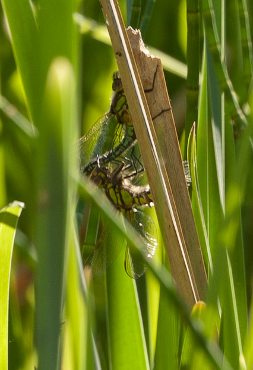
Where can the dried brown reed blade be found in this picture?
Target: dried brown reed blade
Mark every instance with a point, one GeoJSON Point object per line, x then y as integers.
{"type": "Point", "coordinates": [152, 154]}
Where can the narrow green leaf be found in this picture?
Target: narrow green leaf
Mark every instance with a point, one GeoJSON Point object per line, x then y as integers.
{"type": "Point", "coordinates": [168, 336]}
{"type": "Point", "coordinates": [76, 327]}
{"type": "Point", "coordinates": [239, 43]}
{"type": "Point", "coordinates": [146, 16]}
{"type": "Point", "coordinates": [17, 118]}
{"type": "Point", "coordinates": [197, 202]}
{"type": "Point", "coordinates": [8, 222]}
{"type": "Point", "coordinates": [2, 173]}
{"type": "Point", "coordinates": [55, 190]}
{"type": "Point", "coordinates": [24, 38]}
{"type": "Point", "coordinates": [212, 137]}
{"type": "Point", "coordinates": [153, 292]}
{"type": "Point", "coordinates": [248, 347]}
{"type": "Point", "coordinates": [134, 9]}
{"type": "Point", "coordinates": [193, 62]}
{"type": "Point", "coordinates": [217, 129]}
{"type": "Point", "coordinates": [57, 35]}
{"type": "Point", "coordinates": [213, 25]}
{"type": "Point", "coordinates": [192, 356]}
{"type": "Point", "coordinates": [127, 344]}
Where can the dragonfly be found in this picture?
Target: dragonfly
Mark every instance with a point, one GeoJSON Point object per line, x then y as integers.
{"type": "Point", "coordinates": [115, 166]}
{"type": "Point", "coordinates": [129, 199]}
{"type": "Point", "coordinates": [115, 129]}
{"type": "Point", "coordinates": [113, 135]}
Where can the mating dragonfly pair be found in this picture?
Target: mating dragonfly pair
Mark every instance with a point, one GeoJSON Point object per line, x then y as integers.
{"type": "Point", "coordinates": [113, 163]}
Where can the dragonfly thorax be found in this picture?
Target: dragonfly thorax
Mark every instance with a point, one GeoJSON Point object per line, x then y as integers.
{"type": "Point", "coordinates": [119, 108]}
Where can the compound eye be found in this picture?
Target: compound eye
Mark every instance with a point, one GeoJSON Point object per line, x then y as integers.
{"type": "Point", "coordinates": [116, 83]}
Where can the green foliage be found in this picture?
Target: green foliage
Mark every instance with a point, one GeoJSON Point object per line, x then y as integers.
{"type": "Point", "coordinates": [56, 68]}
{"type": "Point", "coordinates": [8, 224]}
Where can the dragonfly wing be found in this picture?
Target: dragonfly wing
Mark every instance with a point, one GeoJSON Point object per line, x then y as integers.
{"type": "Point", "coordinates": [95, 256]}
{"type": "Point", "coordinates": [90, 236]}
{"type": "Point", "coordinates": [134, 266]}
{"type": "Point", "coordinates": [95, 246]}
{"type": "Point", "coordinates": [98, 139]}
{"type": "Point", "coordinates": [144, 224]}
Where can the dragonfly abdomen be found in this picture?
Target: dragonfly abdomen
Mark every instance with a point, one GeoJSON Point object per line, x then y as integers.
{"type": "Point", "coordinates": [126, 199]}
{"type": "Point", "coordinates": [120, 191]}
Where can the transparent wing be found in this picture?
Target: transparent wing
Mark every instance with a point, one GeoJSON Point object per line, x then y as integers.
{"type": "Point", "coordinates": [144, 224]}
{"type": "Point", "coordinates": [89, 231]}
{"type": "Point", "coordinates": [133, 168]}
{"type": "Point", "coordinates": [99, 138]}
{"type": "Point", "coordinates": [103, 145]}
{"type": "Point", "coordinates": [94, 243]}
{"type": "Point", "coordinates": [94, 253]}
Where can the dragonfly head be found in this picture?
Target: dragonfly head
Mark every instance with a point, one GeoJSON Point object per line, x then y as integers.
{"type": "Point", "coordinates": [116, 82]}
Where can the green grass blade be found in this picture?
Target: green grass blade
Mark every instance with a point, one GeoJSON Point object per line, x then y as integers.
{"type": "Point", "coordinates": [168, 336]}
{"type": "Point", "coordinates": [211, 26]}
{"type": "Point", "coordinates": [207, 174]}
{"type": "Point", "coordinates": [146, 16]}
{"type": "Point", "coordinates": [234, 242]}
{"type": "Point", "coordinates": [76, 327]}
{"type": "Point", "coordinates": [196, 201]}
{"type": "Point", "coordinates": [217, 128]}
{"type": "Point", "coordinates": [199, 186]}
{"type": "Point", "coordinates": [153, 297]}
{"type": "Point", "coordinates": [139, 14]}
{"type": "Point", "coordinates": [134, 9]}
{"type": "Point", "coordinates": [24, 32]}
{"type": "Point", "coordinates": [55, 146]}
{"type": "Point", "coordinates": [2, 174]}
{"type": "Point", "coordinates": [246, 40]}
{"type": "Point", "coordinates": [248, 347]}
{"type": "Point", "coordinates": [17, 118]}
{"type": "Point", "coordinates": [193, 63]}
{"type": "Point", "coordinates": [127, 345]}
{"type": "Point", "coordinates": [191, 356]}
{"type": "Point", "coordinates": [214, 142]}
{"type": "Point", "coordinates": [239, 44]}
{"type": "Point", "coordinates": [231, 233]}
{"type": "Point", "coordinates": [8, 223]}
{"type": "Point", "coordinates": [60, 25]}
